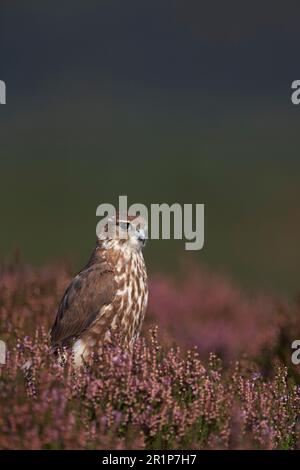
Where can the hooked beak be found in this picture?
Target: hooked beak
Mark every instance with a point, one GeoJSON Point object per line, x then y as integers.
{"type": "Point", "coordinates": [142, 237]}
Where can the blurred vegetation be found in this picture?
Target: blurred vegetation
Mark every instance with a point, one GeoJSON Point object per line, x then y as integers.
{"type": "Point", "coordinates": [60, 164]}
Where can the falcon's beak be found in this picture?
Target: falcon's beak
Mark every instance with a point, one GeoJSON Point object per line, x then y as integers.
{"type": "Point", "coordinates": [142, 237]}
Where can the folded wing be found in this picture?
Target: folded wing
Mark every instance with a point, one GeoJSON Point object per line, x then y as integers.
{"type": "Point", "coordinates": [82, 302]}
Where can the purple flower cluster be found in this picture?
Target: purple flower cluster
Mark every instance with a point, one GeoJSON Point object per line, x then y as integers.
{"type": "Point", "coordinates": [162, 395]}
{"type": "Point", "coordinates": [210, 312]}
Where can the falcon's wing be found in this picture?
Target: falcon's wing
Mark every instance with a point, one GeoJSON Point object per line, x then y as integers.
{"type": "Point", "coordinates": [90, 290]}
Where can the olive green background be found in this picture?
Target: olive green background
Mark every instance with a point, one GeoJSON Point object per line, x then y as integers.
{"type": "Point", "coordinates": [163, 102]}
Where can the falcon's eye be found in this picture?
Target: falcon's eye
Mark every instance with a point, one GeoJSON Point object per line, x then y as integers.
{"type": "Point", "coordinates": [124, 225]}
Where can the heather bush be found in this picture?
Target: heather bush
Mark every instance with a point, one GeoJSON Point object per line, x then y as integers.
{"type": "Point", "coordinates": [210, 312]}
{"type": "Point", "coordinates": [167, 393]}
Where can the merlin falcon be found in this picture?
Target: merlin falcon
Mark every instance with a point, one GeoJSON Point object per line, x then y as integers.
{"type": "Point", "coordinates": [108, 296]}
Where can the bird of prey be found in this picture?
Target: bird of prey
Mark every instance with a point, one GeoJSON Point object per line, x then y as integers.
{"type": "Point", "coordinates": [109, 295]}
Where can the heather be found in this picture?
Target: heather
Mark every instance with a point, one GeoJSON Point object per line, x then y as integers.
{"type": "Point", "coordinates": [212, 370]}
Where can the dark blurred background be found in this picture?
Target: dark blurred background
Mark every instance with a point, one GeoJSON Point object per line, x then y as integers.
{"type": "Point", "coordinates": [165, 101]}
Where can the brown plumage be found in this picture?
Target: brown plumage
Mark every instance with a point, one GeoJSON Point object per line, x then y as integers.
{"type": "Point", "coordinates": [108, 296]}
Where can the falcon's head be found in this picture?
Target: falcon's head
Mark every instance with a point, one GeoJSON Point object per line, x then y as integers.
{"type": "Point", "coordinates": [128, 231]}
